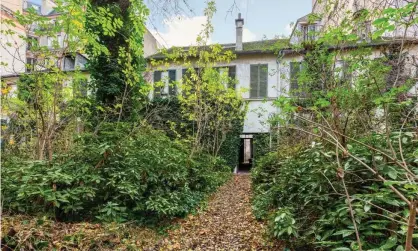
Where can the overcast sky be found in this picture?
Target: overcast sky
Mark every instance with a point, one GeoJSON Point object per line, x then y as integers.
{"type": "Point", "coordinates": [262, 19]}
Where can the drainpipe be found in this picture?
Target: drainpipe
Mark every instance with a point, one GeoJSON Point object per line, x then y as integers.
{"type": "Point", "coordinates": [279, 90]}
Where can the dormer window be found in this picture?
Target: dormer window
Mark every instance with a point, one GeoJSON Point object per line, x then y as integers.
{"type": "Point", "coordinates": [308, 32]}
{"type": "Point", "coordinates": [362, 27]}
{"type": "Point", "coordinates": [364, 31]}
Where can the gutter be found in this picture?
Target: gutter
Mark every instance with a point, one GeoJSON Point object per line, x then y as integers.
{"type": "Point", "coordinates": [289, 51]}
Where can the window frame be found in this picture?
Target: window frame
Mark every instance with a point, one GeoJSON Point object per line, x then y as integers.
{"type": "Point", "coordinates": [172, 88]}
{"type": "Point", "coordinates": [157, 90]}
{"type": "Point", "coordinates": [259, 70]}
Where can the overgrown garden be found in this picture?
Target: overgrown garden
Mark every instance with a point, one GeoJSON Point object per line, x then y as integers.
{"type": "Point", "coordinates": [344, 176]}
{"type": "Point", "coordinates": [97, 149]}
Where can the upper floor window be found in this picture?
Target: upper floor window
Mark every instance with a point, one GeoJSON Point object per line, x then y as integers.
{"type": "Point", "coordinates": [231, 74]}
{"type": "Point", "coordinates": [160, 83]}
{"type": "Point", "coordinates": [157, 88]}
{"type": "Point", "coordinates": [30, 64]}
{"type": "Point", "coordinates": [362, 27]}
{"type": "Point", "coordinates": [50, 41]}
{"type": "Point", "coordinates": [308, 32]}
{"type": "Point", "coordinates": [172, 87]}
{"type": "Point", "coordinates": [32, 41]}
{"type": "Point", "coordinates": [295, 69]}
{"type": "Point", "coordinates": [258, 80]}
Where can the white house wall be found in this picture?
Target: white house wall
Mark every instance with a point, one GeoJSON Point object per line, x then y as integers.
{"type": "Point", "coordinates": [259, 110]}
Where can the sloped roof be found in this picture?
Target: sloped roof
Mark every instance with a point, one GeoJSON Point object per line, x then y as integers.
{"type": "Point", "coordinates": [267, 46]}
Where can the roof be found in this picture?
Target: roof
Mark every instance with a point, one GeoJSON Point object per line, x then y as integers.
{"type": "Point", "coordinates": [14, 75]}
{"type": "Point", "coordinates": [303, 19]}
{"type": "Point", "coordinates": [53, 13]}
{"type": "Point", "coordinates": [349, 46]}
{"type": "Point", "coordinates": [267, 46]}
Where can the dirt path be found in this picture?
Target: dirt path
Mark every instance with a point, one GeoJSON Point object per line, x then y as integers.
{"type": "Point", "coordinates": [226, 224]}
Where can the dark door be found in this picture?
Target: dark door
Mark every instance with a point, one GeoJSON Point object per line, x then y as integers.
{"type": "Point", "coordinates": [245, 155]}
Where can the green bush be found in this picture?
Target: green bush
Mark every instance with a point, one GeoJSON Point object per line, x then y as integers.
{"type": "Point", "coordinates": [302, 197]}
{"type": "Point", "coordinates": [118, 174]}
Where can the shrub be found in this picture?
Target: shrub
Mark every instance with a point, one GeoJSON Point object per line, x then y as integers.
{"type": "Point", "coordinates": [120, 173]}
{"type": "Point", "coordinates": [303, 198]}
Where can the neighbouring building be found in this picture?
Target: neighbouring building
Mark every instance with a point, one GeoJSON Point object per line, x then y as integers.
{"type": "Point", "coordinates": [12, 46]}
{"type": "Point", "coordinates": [16, 55]}
{"type": "Point", "coordinates": [16, 41]}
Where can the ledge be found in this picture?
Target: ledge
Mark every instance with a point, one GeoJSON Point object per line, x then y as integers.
{"type": "Point", "coordinates": [260, 99]}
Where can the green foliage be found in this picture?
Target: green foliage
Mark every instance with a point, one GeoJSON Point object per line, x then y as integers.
{"type": "Point", "coordinates": [116, 74]}
{"type": "Point", "coordinates": [166, 114]}
{"type": "Point", "coordinates": [261, 144]}
{"type": "Point", "coordinates": [209, 100]}
{"type": "Point", "coordinates": [121, 173]}
{"type": "Point", "coordinates": [302, 195]}
{"type": "Point", "coordinates": [229, 150]}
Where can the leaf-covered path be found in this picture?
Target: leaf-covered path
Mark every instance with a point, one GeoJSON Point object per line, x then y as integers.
{"type": "Point", "coordinates": [226, 224]}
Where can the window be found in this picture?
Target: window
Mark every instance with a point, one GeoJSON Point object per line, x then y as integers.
{"type": "Point", "coordinates": [50, 41]}
{"type": "Point", "coordinates": [295, 68]}
{"type": "Point", "coordinates": [309, 32]}
{"type": "Point", "coordinates": [362, 27]}
{"type": "Point", "coordinates": [80, 88]}
{"type": "Point", "coordinates": [187, 75]}
{"type": "Point", "coordinates": [258, 81]}
{"type": "Point", "coordinates": [32, 41]}
{"type": "Point", "coordinates": [231, 70]}
{"type": "Point", "coordinates": [69, 63]}
{"type": "Point", "coordinates": [157, 89]}
{"type": "Point", "coordinates": [172, 88]}
{"type": "Point", "coordinates": [30, 64]}
{"type": "Point", "coordinates": [343, 70]}
{"type": "Point", "coordinates": [231, 75]}
{"type": "Point", "coordinates": [59, 40]}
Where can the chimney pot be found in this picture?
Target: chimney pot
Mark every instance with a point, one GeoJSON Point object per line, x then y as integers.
{"type": "Point", "coordinates": [239, 23]}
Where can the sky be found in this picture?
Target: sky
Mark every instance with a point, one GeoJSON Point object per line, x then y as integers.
{"type": "Point", "coordinates": [263, 19]}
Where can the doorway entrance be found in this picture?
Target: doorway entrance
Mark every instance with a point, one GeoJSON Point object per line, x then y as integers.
{"type": "Point", "coordinates": [246, 153]}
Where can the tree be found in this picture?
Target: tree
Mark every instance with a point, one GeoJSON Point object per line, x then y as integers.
{"type": "Point", "coordinates": [44, 104]}
{"type": "Point", "coordinates": [358, 107]}
{"type": "Point", "coordinates": [117, 72]}
{"type": "Point", "coordinates": [208, 96]}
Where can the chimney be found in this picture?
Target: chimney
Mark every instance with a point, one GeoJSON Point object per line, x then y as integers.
{"type": "Point", "coordinates": [239, 23]}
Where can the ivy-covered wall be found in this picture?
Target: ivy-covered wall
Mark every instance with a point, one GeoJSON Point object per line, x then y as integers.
{"type": "Point", "coordinates": [261, 145]}
{"type": "Point", "coordinates": [230, 148]}
{"type": "Point", "coordinates": [167, 112]}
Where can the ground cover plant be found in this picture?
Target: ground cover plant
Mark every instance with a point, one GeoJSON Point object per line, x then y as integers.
{"type": "Point", "coordinates": [81, 150]}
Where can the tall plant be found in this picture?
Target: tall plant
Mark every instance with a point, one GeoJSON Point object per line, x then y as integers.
{"type": "Point", "coordinates": [42, 106]}
{"type": "Point", "coordinates": [116, 73]}
{"type": "Point", "coordinates": [347, 97]}
{"type": "Point", "coordinates": [208, 98]}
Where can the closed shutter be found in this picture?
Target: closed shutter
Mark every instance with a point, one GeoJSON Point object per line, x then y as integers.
{"type": "Point", "coordinates": [258, 81]}
{"type": "Point", "coordinates": [157, 89]}
{"type": "Point", "coordinates": [231, 75]}
{"type": "Point", "coordinates": [263, 75]}
{"type": "Point", "coordinates": [172, 87]}
{"type": "Point", "coordinates": [294, 72]}
{"type": "Point", "coordinates": [253, 81]}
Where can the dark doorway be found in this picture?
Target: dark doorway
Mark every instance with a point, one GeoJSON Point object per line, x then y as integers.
{"type": "Point", "coordinates": [245, 154]}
